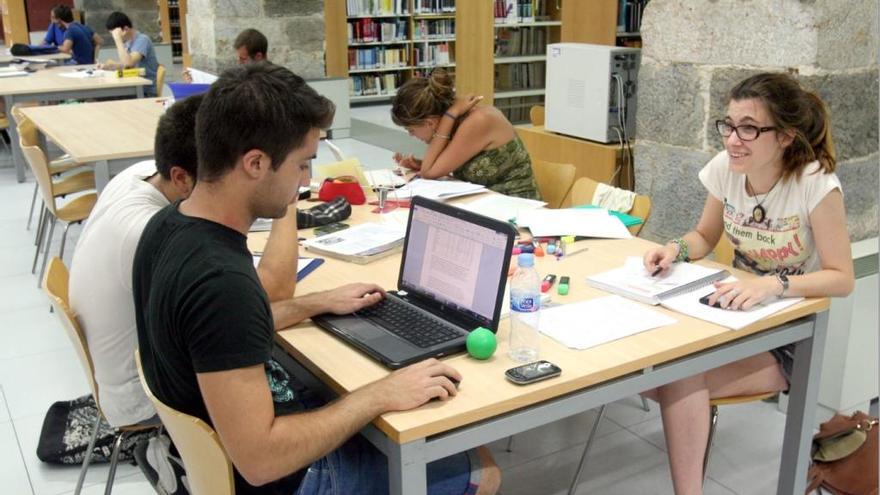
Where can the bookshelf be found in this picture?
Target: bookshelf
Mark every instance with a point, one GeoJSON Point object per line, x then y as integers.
{"type": "Point", "coordinates": [15, 27]}
{"type": "Point", "coordinates": [629, 22]}
{"type": "Point", "coordinates": [379, 44]}
{"type": "Point", "coordinates": [172, 17]}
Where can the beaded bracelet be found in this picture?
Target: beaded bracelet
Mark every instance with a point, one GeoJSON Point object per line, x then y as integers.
{"type": "Point", "coordinates": [442, 136]}
{"type": "Point", "coordinates": [682, 249]}
{"type": "Point", "coordinates": [451, 116]}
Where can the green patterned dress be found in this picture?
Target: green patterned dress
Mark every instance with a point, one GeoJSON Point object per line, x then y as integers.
{"type": "Point", "coordinates": [506, 169]}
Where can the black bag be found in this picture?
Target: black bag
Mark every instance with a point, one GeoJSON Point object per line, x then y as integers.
{"type": "Point", "coordinates": [67, 430]}
{"type": "Point", "coordinates": [20, 50]}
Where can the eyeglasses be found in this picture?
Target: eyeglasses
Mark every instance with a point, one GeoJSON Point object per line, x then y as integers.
{"type": "Point", "coordinates": [745, 132]}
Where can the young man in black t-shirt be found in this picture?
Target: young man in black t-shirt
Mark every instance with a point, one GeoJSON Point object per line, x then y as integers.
{"type": "Point", "coordinates": [205, 324]}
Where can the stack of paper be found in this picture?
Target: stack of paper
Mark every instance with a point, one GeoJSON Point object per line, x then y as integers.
{"type": "Point", "coordinates": [501, 207]}
{"type": "Point", "coordinates": [594, 222]}
{"type": "Point", "coordinates": [360, 244]}
{"type": "Point", "coordinates": [440, 190]}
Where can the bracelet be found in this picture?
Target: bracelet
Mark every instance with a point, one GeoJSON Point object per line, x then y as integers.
{"type": "Point", "coordinates": [682, 249]}
{"type": "Point", "coordinates": [442, 136]}
{"type": "Point", "coordinates": [451, 116]}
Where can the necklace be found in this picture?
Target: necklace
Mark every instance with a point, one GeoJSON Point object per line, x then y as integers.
{"type": "Point", "coordinates": [759, 213]}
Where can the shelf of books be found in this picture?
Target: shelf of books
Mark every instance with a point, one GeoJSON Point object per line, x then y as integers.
{"type": "Point", "coordinates": [629, 22]}
{"type": "Point", "coordinates": [172, 17]}
{"type": "Point", "coordinates": [389, 41]}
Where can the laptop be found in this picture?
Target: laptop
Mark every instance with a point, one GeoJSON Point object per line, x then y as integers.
{"type": "Point", "coordinates": [452, 277]}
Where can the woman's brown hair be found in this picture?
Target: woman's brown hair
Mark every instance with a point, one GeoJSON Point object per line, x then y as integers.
{"type": "Point", "coordinates": [793, 109]}
{"type": "Point", "coordinates": [422, 97]}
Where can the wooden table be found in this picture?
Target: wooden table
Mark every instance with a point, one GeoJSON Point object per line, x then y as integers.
{"type": "Point", "coordinates": [112, 134]}
{"type": "Point", "coordinates": [48, 85]}
{"type": "Point", "coordinates": [488, 407]}
{"type": "Point", "coordinates": [597, 161]}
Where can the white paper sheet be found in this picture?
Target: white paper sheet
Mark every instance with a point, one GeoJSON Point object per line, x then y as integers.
{"type": "Point", "coordinates": [632, 280]}
{"type": "Point", "coordinates": [202, 77]}
{"type": "Point", "coordinates": [83, 74]}
{"type": "Point", "coordinates": [501, 207]}
{"type": "Point", "coordinates": [438, 189]}
{"type": "Point", "coordinates": [587, 222]}
{"type": "Point", "coordinates": [598, 321]}
{"type": "Point", "coordinates": [384, 177]}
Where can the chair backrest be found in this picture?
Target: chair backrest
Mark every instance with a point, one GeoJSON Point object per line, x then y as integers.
{"type": "Point", "coordinates": [36, 159]}
{"type": "Point", "coordinates": [724, 251]}
{"type": "Point", "coordinates": [584, 189]}
{"type": "Point", "coordinates": [160, 79]}
{"type": "Point", "coordinates": [55, 286]}
{"type": "Point", "coordinates": [554, 180]}
{"type": "Point", "coordinates": [208, 469]}
{"type": "Point", "coordinates": [27, 131]}
{"type": "Point", "coordinates": [536, 114]}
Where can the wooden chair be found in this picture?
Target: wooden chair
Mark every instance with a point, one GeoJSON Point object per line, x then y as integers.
{"type": "Point", "coordinates": [536, 115]}
{"type": "Point", "coordinates": [208, 469]}
{"type": "Point", "coordinates": [160, 79]}
{"type": "Point", "coordinates": [582, 194]}
{"type": "Point", "coordinates": [28, 134]}
{"type": "Point", "coordinates": [554, 181]}
{"type": "Point", "coordinates": [56, 287]}
{"type": "Point", "coordinates": [4, 125]}
{"type": "Point", "coordinates": [73, 211]}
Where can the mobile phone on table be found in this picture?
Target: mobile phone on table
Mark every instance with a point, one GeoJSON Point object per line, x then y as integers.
{"type": "Point", "coordinates": [330, 228]}
{"type": "Point", "coordinates": [532, 372]}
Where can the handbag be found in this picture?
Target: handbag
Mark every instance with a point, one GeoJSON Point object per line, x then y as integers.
{"type": "Point", "coordinates": [346, 186]}
{"type": "Point", "coordinates": [844, 456]}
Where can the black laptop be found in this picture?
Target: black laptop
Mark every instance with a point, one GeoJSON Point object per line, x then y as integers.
{"type": "Point", "coordinates": [451, 281]}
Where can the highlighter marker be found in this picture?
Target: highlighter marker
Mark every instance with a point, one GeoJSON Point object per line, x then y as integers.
{"type": "Point", "coordinates": [547, 282]}
{"type": "Point", "coordinates": [562, 288]}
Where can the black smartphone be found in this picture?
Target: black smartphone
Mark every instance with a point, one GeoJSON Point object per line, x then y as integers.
{"type": "Point", "coordinates": [532, 372]}
{"type": "Point", "coordinates": [330, 228]}
{"type": "Point", "coordinates": [705, 300]}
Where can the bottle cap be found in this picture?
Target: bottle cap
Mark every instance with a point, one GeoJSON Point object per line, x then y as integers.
{"type": "Point", "coordinates": [526, 260]}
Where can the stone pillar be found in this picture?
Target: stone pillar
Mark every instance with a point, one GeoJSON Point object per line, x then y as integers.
{"type": "Point", "coordinates": [144, 15]}
{"type": "Point", "coordinates": [696, 50]}
{"type": "Point", "coordinates": [295, 31]}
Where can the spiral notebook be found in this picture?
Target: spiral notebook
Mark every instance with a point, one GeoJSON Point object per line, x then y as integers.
{"type": "Point", "coordinates": [633, 281]}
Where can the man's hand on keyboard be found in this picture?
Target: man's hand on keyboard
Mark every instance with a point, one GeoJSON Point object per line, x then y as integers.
{"type": "Point", "coordinates": [410, 387]}
{"type": "Point", "coordinates": [352, 297]}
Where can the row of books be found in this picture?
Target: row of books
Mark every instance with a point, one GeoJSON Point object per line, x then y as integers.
{"type": "Point", "coordinates": [629, 15]}
{"type": "Point", "coordinates": [439, 28]}
{"type": "Point", "coordinates": [434, 6]}
{"type": "Point", "coordinates": [376, 7]}
{"type": "Point", "coordinates": [522, 41]}
{"type": "Point", "coordinates": [519, 76]}
{"type": "Point", "coordinates": [435, 54]}
{"type": "Point", "coordinates": [377, 58]}
{"type": "Point", "coordinates": [517, 109]}
{"type": "Point", "coordinates": [516, 11]}
{"type": "Point", "coordinates": [372, 30]}
{"type": "Point", "coordinates": [373, 84]}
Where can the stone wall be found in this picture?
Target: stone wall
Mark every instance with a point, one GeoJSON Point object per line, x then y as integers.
{"type": "Point", "coordinates": [144, 15]}
{"type": "Point", "coordinates": [696, 50]}
{"type": "Point", "coordinates": [295, 31]}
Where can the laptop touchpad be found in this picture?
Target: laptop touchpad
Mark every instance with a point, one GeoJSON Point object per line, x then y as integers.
{"type": "Point", "coordinates": [364, 329]}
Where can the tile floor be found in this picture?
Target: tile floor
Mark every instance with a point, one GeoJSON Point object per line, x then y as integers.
{"type": "Point", "coordinates": [38, 366]}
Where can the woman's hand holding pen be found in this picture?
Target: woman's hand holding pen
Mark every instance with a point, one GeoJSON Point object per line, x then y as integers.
{"type": "Point", "coordinates": [408, 161]}
{"type": "Point", "coordinates": [660, 259]}
{"type": "Point", "coordinates": [744, 294]}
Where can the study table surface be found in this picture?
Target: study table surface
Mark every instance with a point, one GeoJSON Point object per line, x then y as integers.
{"type": "Point", "coordinates": [7, 58]}
{"type": "Point", "coordinates": [488, 407]}
{"type": "Point", "coordinates": [49, 85]}
{"type": "Point", "coordinates": [107, 132]}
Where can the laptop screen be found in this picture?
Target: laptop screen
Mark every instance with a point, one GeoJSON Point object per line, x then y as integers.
{"type": "Point", "coordinates": [455, 262]}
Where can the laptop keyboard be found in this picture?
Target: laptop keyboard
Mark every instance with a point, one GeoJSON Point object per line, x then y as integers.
{"type": "Point", "coordinates": [409, 323]}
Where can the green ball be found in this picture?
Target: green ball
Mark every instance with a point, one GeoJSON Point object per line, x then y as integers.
{"type": "Point", "coordinates": [481, 343]}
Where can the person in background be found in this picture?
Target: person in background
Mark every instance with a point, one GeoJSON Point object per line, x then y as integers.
{"type": "Point", "coordinates": [54, 33]}
{"type": "Point", "coordinates": [250, 46]}
{"type": "Point", "coordinates": [133, 48]}
{"type": "Point", "coordinates": [79, 41]}
{"type": "Point", "coordinates": [774, 194]}
{"type": "Point", "coordinates": [472, 142]}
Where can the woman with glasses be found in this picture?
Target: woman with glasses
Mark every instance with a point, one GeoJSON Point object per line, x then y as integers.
{"type": "Point", "coordinates": [474, 143]}
{"type": "Point", "coordinates": [774, 195]}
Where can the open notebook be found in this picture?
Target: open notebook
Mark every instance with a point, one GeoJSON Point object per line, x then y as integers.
{"type": "Point", "coordinates": [633, 281]}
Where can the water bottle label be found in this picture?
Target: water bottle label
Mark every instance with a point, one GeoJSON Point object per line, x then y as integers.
{"type": "Point", "coordinates": [526, 303]}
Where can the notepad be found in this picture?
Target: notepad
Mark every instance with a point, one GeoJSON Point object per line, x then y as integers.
{"type": "Point", "coordinates": [633, 281]}
{"type": "Point", "coordinates": [439, 190]}
{"type": "Point", "coordinates": [689, 304]}
{"type": "Point", "coordinates": [598, 321]}
{"type": "Point", "coordinates": [360, 244]}
{"type": "Point", "coordinates": [304, 266]}
{"type": "Point", "coordinates": [501, 207]}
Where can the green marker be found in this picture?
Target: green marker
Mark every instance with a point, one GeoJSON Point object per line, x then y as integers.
{"type": "Point", "coordinates": [562, 288]}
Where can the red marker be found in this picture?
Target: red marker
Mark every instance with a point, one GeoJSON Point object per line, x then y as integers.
{"type": "Point", "coordinates": [547, 282]}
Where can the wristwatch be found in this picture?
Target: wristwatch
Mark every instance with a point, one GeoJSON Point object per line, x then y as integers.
{"type": "Point", "coordinates": [783, 279]}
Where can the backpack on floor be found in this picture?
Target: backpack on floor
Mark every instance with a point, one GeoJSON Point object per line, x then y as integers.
{"type": "Point", "coordinates": [845, 456]}
{"type": "Point", "coordinates": [67, 430]}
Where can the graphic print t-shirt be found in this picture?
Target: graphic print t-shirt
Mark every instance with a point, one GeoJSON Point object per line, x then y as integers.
{"type": "Point", "coordinates": [783, 241]}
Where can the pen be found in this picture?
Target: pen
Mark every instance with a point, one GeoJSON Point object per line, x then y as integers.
{"type": "Point", "coordinates": [657, 271]}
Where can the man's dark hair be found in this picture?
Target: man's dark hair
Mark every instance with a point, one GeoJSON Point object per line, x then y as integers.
{"type": "Point", "coordinates": [256, 106]}
{"type": "Point", "coordinates": [62, 13]}
{"type": "Point", "coordinates": [117, 20]}
{"type": "Point", "coordinates": [253, 41]}
{"type": "Point", "coordinates": [176, 138]}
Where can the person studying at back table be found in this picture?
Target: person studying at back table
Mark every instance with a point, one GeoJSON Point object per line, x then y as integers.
{"type": "Point", "coordinates": [472, 142]}
{"type": "Point", "coordinates": [133, 48]}
{"type": "Point", "coordinates": [773, 193]}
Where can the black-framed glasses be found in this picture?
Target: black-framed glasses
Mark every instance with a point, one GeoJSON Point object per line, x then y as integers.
{"type": "Point", "coordinates": [745, 132]}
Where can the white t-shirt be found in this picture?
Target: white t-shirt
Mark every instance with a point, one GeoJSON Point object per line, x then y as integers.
{"type": "Point", "coordinates": [101, 293]}
{"type": "Point", "coordinates": [783, 242]}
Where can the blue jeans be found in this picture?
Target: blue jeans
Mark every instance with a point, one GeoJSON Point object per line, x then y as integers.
{"type": "Point", "coordinates": [357, 467]}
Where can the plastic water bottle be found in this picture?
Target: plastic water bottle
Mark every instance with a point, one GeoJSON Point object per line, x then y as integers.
{"type": "Point", "coordinates": [525, 301]}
